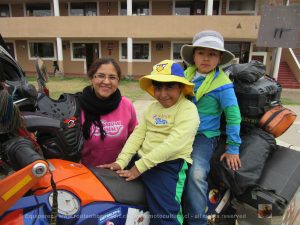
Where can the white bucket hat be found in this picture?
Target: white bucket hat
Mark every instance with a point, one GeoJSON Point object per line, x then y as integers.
{"type": "Point", "coordinates": [206, 39]}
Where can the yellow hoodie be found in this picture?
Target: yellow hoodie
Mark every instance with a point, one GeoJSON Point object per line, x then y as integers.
{"type": "Point", "coordinates": [164, 134]}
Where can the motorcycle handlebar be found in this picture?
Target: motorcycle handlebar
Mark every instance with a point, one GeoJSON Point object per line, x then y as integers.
{"type": "Point", "coordinates": [20, 152]}
{"type": "Point", "coordinates": [40, 122]}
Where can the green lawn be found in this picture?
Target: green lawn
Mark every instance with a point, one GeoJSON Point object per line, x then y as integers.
{"type": "Point", "coordinates": [129, 88]}
{"type": "Point", "coordinates": [59, 85]}
{"type": "Point", "coordinates": [287, 101]}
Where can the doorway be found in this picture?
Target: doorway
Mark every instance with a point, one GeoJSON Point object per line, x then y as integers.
{"type": "Point", "coordinates": [92, 53]}
{"type": "Point", "coordinates": [11, 49]}
{"type": "Point", "coordinates": [241, 50]}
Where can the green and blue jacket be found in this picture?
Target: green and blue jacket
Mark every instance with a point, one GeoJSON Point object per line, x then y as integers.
{"type": "Point", "coordinates": [214, 94]}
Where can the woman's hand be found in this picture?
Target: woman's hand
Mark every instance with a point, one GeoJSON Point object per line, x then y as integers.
{"type": "Point", "coordinates": [131, 174]}
{"type": "Point", "coordinates": [233, 161]}
{"type": "Point", "coordinates": [112, 166]}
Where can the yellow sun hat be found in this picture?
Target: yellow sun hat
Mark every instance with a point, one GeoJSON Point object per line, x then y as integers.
{"type": "Point", "coordinates": [166, 71]}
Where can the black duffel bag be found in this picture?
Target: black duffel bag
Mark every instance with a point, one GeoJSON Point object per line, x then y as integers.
{"type": "Point", "coordinates": [246, 72]}
{"type": "Point", "coordinates": [254, 151]}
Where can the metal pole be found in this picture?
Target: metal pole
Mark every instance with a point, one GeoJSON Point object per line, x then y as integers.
{"type": "Point", "coordinates": [278, 54]}
{"type": "Point", "coordinates": [58, 40]}
{"type": "Point", "coordinates": [277, 63]}
{"type": "Point", "coordinates": [129, 7]}
{"type": "Point", "coordinates": [129, 56]}
{"type": "Point", "coordinates": [210, 7]}
{"type": "Point", "coordinates": [56, 7]}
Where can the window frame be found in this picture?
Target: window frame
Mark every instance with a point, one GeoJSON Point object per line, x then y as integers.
{"type": "Point", "coordinates": [97, 8]}
{"type": "Point", "coordinates": [174, 8]}
{"type": "Point", "coordinates": [263, 54]}
{"type": "Point", "coordinates": [9, 10]}
{"type": "Point", "coordinates": [45, 58]}
{"type": "Point", "coordinates": [32, 3]}
{"type": "Point", "coordinates": [228, 11]}
{"type": "Point", "coordinates": [135, 60]}
{"type": "Point", "coordinates": [172, 49]}
{"type": "Point", "coordinates": [259, 53]}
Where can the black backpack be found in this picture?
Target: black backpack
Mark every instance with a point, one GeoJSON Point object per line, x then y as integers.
{"type": "Point", "coordinates": [256, 92]}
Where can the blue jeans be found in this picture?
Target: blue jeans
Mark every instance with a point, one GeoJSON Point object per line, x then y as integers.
{"type": "Point", "coordinates": [195, 196]}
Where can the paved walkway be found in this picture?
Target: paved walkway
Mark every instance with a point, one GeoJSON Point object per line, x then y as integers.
{"type": "Point", "coordinates": [291, 138]}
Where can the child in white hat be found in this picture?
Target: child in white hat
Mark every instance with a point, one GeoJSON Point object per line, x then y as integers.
{"type": "Point", "coordinates": [214, 95]}
{"type": "Point", "coordinates": [162, 142]}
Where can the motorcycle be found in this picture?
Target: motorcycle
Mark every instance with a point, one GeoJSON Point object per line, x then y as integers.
{"type": "Point", "coordinates": [65, 192]}
{"type": "Point", "coordinates": [52, 187]}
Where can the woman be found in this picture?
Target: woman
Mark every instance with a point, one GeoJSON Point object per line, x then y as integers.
{"type": "Point", "coordinates": [107, 118]}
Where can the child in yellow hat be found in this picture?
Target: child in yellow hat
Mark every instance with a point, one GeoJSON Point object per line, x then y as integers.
{"type": "Point", "coordinates": [162, 142]}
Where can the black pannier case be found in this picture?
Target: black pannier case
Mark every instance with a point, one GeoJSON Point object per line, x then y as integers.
{"type": "Point", "coordinates": [279, 181]}
{"type": "Point", "coordinates": [256, 98]}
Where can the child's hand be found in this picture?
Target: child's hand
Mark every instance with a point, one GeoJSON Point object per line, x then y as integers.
{"type": "Point", "coordinates": [233, 161]}
{"type": "Point", "coordinates": [131, 174]}
{"type": "Point", "coordinates": [112, 166]}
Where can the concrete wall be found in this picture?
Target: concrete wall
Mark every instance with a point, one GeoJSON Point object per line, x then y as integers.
{"type": "Point", "coordinates": [167, 27]}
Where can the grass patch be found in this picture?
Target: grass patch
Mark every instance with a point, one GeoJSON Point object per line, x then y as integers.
{"type": "Point", "coordinates": [128, 87]}
{"type": "Point", "coordinates": [287, 101]}
{"type": "Point", "coordinates": [59, 85]}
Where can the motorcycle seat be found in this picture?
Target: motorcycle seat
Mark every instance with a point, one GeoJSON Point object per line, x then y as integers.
{"type": "Point", "coordinates": [124, 192]}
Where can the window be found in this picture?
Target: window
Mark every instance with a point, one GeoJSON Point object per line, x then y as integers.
{"type": "Point", "coordinates": [183, 8]}
{"type": "Point", "coordinates": [233, 47]}
{"type": "Point", "coordinates": [41, 49]}
{"type": "Point", "coordinates": [38, 9]}
{"type": "Point", "coordinates": [240, 6]}
{"type": "Point", "coordinates": [83, 9]}
{"type": "Point", "coordinates": [176, 47]}
{"type": "Point", "coordinates": [79, 51]}
{"type": "Point", "coordinates": [4, 10]}
{"type": "Point", "coordinates": [140, 51]}
{"type": "Point", "coordinates": [138, 8]}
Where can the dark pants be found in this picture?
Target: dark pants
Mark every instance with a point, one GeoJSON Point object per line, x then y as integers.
{"type": "Point", "coordinates": [164, 185]}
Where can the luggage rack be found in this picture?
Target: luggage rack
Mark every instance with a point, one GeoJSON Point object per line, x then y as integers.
{"type": "Point", "coordinates": [248, 215]}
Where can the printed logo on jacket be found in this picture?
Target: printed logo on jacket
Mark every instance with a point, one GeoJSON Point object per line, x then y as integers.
{"type": "Point", "coordinates": [111, 128]}
{"type": "Point", "coordinates": [161, 119]}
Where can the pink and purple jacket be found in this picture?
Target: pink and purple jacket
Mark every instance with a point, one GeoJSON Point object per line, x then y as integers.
{"type": "Point", "coordinates": [118, 125]}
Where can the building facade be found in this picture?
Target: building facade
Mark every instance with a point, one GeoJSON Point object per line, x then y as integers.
{"type": "Point", "coordinates": [137, 33]}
